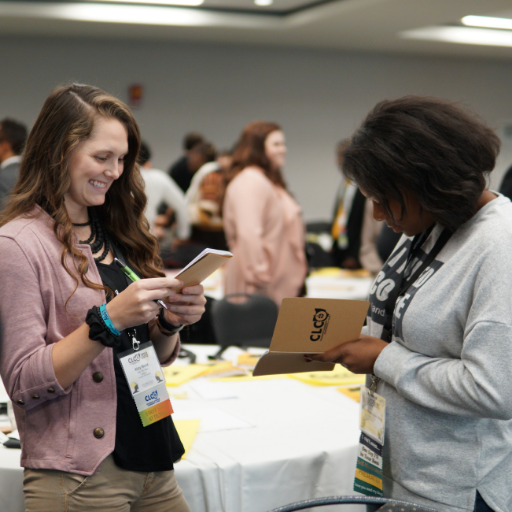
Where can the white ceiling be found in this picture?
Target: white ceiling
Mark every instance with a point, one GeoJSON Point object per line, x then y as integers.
{"type": "Point", "coordinates": [276, 6]}
{"type": "Point", "coordinates": [360, 25]}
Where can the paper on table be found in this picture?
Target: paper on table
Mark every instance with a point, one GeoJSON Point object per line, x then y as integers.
{"type": "Point", "coordinates": [178, 375]}
{"type": "Point", "coordinates": [202, 266]}
{"type": "Point", "coordinates": [14, 435]}
{"type": "Point", "coordinates": [208, 390]}
{"type": "Point", "coordinates": [212, 419]}
{"type": "Point", "coordinates": [243, 378]}
{"type": "Point", "coordinates": [187, 430]}
{"type": "Point", "coordinates": [338, 377]}
{"type": "Point", "coordinates": [353, 393]}
{"type": "Point", "coordinates": [224, 369]}
{"type": "Point", "coordinates": [248, 360]}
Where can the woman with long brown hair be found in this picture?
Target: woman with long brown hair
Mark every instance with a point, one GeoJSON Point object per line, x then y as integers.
{"type": "Point", "coordinates": [73, 323]}
{"type": "Point", "coordinates": [263, 224]}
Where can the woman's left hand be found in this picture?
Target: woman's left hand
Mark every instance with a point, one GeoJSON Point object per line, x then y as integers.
{"type": "Point", "coordinates": [186, 307]}
{"type": "Point", "coordinates": [358, 356]}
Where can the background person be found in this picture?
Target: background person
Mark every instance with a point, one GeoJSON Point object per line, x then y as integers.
{"type": "Point", "coordinates": [423, 163]}
{"type": "Point", "coordinates": [79, 202]}
{"type": "Point", "coordinates": [263, 223]}
{"type": "Point", "coordinates": [354, 230]}
{"type": "Point", "coordinates": [204, 201]}
{"type": "Point", "coordinates": [13, 135]}
{"type": "Point", "coordinates": [160, 188]}
{"type": "Point", "coordinates": [184, 168]}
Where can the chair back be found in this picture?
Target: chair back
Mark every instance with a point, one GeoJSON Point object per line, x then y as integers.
{"type": "Point", "coordinates": [384, 504]}
{"type": "Point", "coordinates": [244, 324]}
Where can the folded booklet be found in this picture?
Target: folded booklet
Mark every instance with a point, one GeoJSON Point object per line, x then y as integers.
{"type": "Point", "coordinates": [310, 326]}
{"type": "Point", "coordinates": [202, 266]}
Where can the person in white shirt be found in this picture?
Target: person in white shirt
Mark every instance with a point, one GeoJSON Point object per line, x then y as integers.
{"type": "Point", "coordinates": [160, 188]}
{"type": "Point", "coordinates": [13, 135]}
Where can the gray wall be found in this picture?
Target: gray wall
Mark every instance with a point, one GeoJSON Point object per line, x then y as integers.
{"type": "Point", "coordinates": [317, 96]}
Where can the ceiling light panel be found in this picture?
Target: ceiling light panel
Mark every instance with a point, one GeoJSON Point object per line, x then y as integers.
{"type": "Point", "coordinates": [487, 22]}
{"type": "Point", "coordinates": [187, 3]}
{"type": "Point", "coordinates": [461, 35]}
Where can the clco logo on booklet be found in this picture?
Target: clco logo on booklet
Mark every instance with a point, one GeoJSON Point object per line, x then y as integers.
{"type": "Point", "coordinates": [320, 324]}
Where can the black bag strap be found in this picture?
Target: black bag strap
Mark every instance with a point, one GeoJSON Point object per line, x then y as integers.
{"type": "Point", "coordinates": [403, 285]}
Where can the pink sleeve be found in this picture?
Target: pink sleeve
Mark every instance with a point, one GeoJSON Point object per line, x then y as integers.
{"type": "Point", "coordinates": [25, 358]}
{"type": "Point", "coordinates": [246, 206]}
{"type": "Point", "coordinates": [174, 355]}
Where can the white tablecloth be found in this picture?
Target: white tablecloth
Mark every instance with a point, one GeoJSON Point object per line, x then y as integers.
{"type": "Point", "coordinates": [303, 445]}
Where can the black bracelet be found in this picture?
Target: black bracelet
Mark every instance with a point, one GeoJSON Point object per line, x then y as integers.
{"type": "Point", "coordinates": [166, 327]}
{"type": "Point", "coordinates": [98, 329]}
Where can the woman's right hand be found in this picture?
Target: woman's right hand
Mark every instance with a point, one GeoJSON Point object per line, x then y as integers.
{"type": "Point", "coordinates": [135, 305]}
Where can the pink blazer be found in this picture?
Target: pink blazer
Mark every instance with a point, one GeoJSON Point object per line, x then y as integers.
{"type": "Point", "coordinates": [265, 233]}
{"type": "Point", "coordinates": [56, 425]}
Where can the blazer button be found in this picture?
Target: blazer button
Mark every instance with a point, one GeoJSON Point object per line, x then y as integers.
{"type": "Point", "coordinates": [51, 390]}
{"type": "Point", "coordinates": [99, 433]}
{"type": "Point", "coordinates": [21, 402]}
{"type": "Point", "coordinates": [36, 396]}
{"type": "Point", "coordinates": [97, 377]}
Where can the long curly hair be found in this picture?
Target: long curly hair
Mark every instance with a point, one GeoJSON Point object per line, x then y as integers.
{"type": "Point", "coordinates": [67, 118]}
{"type": "Point", "coordinates": [250, 150]}
{"type": "Point", "coordinates": [429, 146]}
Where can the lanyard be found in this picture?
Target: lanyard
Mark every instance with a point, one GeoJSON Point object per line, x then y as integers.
{"type": "Point", "coordinates": [404, 284]}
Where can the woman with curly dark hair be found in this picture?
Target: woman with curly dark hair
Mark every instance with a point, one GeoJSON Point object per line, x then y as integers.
{"type": "Point", "coordinates": [439, 339]}
{"type": "Point", "coordinates": [73, 322]}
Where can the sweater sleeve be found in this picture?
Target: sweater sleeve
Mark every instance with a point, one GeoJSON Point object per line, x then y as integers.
{"type": "Point", "coordinates": [477, 384]}
{"type": "Point", "coordinates": [25, 358]}
{"type": "Point", "coordinates": [244, 222]}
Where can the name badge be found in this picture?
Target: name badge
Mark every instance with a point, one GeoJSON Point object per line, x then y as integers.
{"type": "Point", "coordinates": [146, 380]}
{"type": "Point", "coordinates": [368, 478]}
{"type": "Point", "coordinates": [373, 415]}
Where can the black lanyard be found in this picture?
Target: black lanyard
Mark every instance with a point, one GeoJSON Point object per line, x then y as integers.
{"type": "Point", "coordinates": [402, 285]}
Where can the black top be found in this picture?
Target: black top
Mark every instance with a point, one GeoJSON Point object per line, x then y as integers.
{"type": "Point", "coordinates": [354, 228]}
{"type": "Point", "coordinates": [506, 184]}
{"type": "Point", "coordinates": [137, 448]}
{"type": "Point", "coordinates": [180, 174]}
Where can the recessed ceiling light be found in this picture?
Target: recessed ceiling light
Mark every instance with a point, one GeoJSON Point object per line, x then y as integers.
{"type": "Point", "coordinates": [461, 35]}
{"type": "Point", "coordinates": [263, 3]}
{"type": "Point", "coordinates": [487, 22]}
{"type": "Point", "coordinates": [189, 3]}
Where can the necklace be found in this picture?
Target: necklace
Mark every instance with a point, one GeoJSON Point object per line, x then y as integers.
{"type": "Point", "coordinates": [88, 223]}
{"type": "Point", "coordinates": [99, 235]}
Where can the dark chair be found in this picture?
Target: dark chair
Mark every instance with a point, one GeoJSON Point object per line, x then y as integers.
{"type": "Point", "coordinates": [318, 226]}
{"type": "Point", "coordinates": [386, 504]}
{"type": "Point", "coordinates": [243, 323]}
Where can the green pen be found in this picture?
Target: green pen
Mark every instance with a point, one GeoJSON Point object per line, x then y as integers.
{"type": "Point", "coordinates": [130, 274]}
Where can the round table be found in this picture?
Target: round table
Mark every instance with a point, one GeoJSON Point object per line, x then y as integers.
{"type": "Point", "coordinates": [299, 442]}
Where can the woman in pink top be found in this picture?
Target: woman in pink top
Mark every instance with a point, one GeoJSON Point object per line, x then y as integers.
{"type": "Point", "coordinates": [263, 224]}
{"type": "Point", "coordinates": [69, 314]}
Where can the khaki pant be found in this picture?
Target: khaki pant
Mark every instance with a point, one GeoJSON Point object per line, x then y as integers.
{"type": "Point", "coordinates": [109, 489]}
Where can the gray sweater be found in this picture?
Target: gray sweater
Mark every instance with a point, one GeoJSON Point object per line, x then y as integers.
{"type": "Point", "coordinates": [446, 375]}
